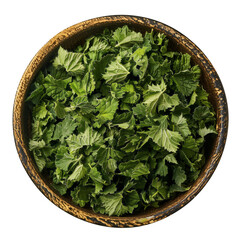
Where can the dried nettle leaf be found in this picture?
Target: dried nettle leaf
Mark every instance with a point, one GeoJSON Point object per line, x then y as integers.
{"type": "Point", "coordinates": [120, 122]}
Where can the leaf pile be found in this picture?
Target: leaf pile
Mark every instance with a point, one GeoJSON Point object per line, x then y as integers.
{"type": "Point", "coordinates": [120, 123]}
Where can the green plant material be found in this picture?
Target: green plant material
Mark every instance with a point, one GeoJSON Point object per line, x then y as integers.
{"type": "Point", "coordinates": [120, 123]}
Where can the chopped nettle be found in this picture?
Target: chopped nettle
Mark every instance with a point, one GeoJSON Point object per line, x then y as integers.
{"type": "Point", "coordinates": [120, 123]}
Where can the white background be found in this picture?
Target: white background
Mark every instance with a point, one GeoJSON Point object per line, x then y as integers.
{"type": "Point", "coordinates": [26, 26]}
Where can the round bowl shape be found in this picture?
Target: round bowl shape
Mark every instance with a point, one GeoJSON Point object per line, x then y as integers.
{"type": "Point", "coordinates": [69, 39]}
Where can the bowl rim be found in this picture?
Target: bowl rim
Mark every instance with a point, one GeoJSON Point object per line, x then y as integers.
{"type": "Point", "coordinates": [134, 220]}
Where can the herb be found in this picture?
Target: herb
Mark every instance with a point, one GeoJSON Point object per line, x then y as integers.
{"type": "Point", "coordinates": [120, 123]}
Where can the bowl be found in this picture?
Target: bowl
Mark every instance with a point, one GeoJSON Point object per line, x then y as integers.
{"type": "Point", "coordinates": [69, 39]}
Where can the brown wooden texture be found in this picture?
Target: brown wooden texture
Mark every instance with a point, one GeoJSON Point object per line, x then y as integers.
{"type": "Point", "coordinates": [70, 38]}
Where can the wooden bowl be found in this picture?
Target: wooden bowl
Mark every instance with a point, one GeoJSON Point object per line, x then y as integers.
{"type": "Point", "coordinates": [70, 38]}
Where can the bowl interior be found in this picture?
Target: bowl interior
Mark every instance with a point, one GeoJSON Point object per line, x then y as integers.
{"type": "Point", "coordinates": [79, 37]}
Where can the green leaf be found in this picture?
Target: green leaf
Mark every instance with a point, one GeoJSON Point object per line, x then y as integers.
{"type": "Point", "coordinates": [36, 95]}
{"type": "Point", "coordinates": [186, 82]}
{"type": "Point", "coordinates": [65, 128]}
{"type": "Point", "coordinates": [112, 165]}
{"type": "Point", "coordinates": [170, 158]}
{"type": "Point", "coordinates": [141, 61]}
{"type": "Point", "coordinates": [115, 72]}
{"type": "Point", "coordinates": [179, 175]}
{"type": "Point", "coordinates": [198, 164]}
{"type": "Point", "coordinates": [61, 188]}
{"type": "Point", "coordinates": [181, 125]}
{"type": "Point", "coordinates": [81, 194]}
{"type": "Point", "coordinates": [164, 137]}
{"type": "Point", "coordinates": [201, 113]}
{"type": "Point", "coordinates": [39, 159]}
{"type": "Point", "coordinates": [175, 188]}
{"type": "Point", "coordinates": [162, 168]}
{"type": "Point", "coordinates": [122, 118]}
{"type": "Point", "coordinates": [202, 97]}
{"type": "Point", "coordinates": [113, 205]}
{"type": "Point", "coordinates": [47, 133]}
{"type": "Point", "coordinates": [156, 69]}
{"type": "Point", "coordinates": [87, 138]}
{"type": "Point", "coordinates": [77, 88]}
{"type": "Point", "coordinates": [186, 160]}
{"type": "Point", "coordinates": [192, 99]}
{"type": "Point", "coordinates": [131, 96]}
{"type": "Point", "coordinates": [190, 147]}
{"type": "Point", "coordinates": [86, 108]}
{"type": "Point", "coordinates": [159, 188]}
{"type": "Point", "coordinates": [98, 45]}
{"type": "Point", "coordinates": [71, 61]}
{"type": "Point", "coordinates": [103, 154]}
{"type": "Point", "coordinates": [205, 131]}
{"type": "Point", "coordinates": [131, 200]}
{"type": "Point", "coordinates": [100, 66]}
{"type": "Point", "coordinates": [64, 160]}
{"type": "Point", "coordinates": [57, 88]}
{"type": "Point", "coordinates": [125, 36]}
{"type": "Point", "coordinates": [36, 144]}
{"type": "Point", "coordinates": [183, 63]}
{"type": "Point", "coordinates": [96, 176]}
{"type": "Point", "coordinates": [40, 111]}
{"type": "Point", "coordinates": [166, 101]}
{"type": "Point", "coordinates": [140, 111]}
{"type": "Point", "coordinates": [60, 111]}
{"type": "Point", "coordinates": [117, 91]}
{"type": "Point", "coordinates": [152, 97]}
{"type": "Point", "coordinates": [109, 189]}
{"type": "Point", "coordinates": [80, 103]}
{"type": "Point", "coordinates": [138, 54]}
{"type": "Point", "coordinates": [84, 86]}
{"type": "Point", "coordinates": [106, 110]}
{"type": "Point", "coordinates": [78, 173]}
{"type": "Point", "coordinates": [133, 169]}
